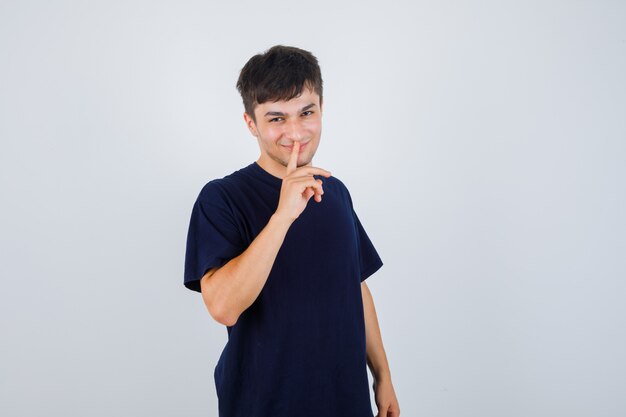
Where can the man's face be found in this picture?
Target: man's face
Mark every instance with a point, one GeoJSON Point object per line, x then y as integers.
{"type": "Point", "coordinates": [280, 124]}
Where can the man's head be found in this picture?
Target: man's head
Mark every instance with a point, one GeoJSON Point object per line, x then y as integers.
{"type": "Point", "coordinates": [280, 73]}
{"type": "Point", "coordinates": [282, 97]}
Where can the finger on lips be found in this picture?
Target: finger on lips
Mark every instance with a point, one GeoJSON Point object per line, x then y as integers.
{"type": "Point", "coordinates": [316, 185]}
{"type": "Point", "coordinates": [293, 158]}
{"type": "Point", "coordinates": [292, 165]}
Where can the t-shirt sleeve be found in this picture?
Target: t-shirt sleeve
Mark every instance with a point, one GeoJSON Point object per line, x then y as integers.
{"type": "Point", "coordinates": [369, 259]}
{"type": "Point", "coordinates": [213, 238]}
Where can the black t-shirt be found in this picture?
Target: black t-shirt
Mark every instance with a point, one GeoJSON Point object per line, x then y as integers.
{"type": "Point", "coordinates": [299, 349]}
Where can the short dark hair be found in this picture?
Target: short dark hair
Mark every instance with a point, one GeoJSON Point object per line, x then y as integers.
{"type": "Point", "coordinates": [280, 73]}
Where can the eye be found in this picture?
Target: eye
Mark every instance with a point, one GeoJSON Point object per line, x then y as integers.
{"type": "Point", "coordinates": [275, 119]}
{"type": "Point", "coordinates": [308, 111]}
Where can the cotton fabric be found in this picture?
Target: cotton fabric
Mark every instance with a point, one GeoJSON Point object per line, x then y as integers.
{"type": "Point", "coordinates": [299, 349]}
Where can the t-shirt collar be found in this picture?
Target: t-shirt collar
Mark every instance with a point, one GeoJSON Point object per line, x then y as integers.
{"type": "Point", "coordinates": [266, 175]}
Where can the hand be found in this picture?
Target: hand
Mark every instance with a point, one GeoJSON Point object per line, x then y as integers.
{"type": "Point", "coordinates": [299, 186]}
{"type": "Point", "coordinates": [386, 400]}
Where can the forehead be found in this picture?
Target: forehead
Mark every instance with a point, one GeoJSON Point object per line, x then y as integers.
{"type": "Point", "coordinates": [294, 105]}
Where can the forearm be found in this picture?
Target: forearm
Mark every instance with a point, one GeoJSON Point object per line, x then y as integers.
{"type": "Point", "coordinates": [235, 286]}
{"type": "Point", "coordinates": [376, 357]}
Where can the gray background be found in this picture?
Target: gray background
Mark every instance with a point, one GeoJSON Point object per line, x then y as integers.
{"type": "Point", "coordinates": [483, 144]}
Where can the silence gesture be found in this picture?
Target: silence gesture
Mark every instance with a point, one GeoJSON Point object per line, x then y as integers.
{"type": "Point", "coordinates": [299, 186]}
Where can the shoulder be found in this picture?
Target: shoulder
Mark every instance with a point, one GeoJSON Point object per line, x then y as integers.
{"type": "Point", "coordinates": [214, 189]}
{"type": "Point", "coordinates": [222, 187]}
{"type": "Point", "coordinates": [333, 181]}
{"type": "Point", "coordinates": [338, 185]}
{"type": "Point", "coordinates": [220, 190]}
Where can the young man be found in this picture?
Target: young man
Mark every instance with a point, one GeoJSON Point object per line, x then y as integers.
{"type": "Point", "coordinates": [285, 274]}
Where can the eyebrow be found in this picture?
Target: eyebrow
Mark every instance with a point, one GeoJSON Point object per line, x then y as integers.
{"type": "Point", "coordinates": [278, 113]}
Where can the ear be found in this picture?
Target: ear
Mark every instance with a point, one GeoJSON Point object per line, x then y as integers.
{"type": "Point", "coordinates": [250, 124]}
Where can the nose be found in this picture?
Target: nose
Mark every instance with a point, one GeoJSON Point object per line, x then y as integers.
{"type": "Point", "coordinates": [293, 131]}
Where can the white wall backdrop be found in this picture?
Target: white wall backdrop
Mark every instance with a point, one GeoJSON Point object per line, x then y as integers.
{"type": "Point", "coordinates": [484, 144]}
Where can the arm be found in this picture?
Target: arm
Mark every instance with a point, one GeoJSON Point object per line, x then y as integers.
{"type": "Point", "coordinates": [229, 290]}
{"type": "Point", "coordinates": [376, 357]}
{"type": "Point", "coordinates": [384, 393]}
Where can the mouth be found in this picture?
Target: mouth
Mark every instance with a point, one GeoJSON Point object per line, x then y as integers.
{"type": "Point", "coordinates": [289, 148]}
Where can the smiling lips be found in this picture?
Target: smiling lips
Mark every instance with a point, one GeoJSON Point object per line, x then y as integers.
{"type": "Point", "coordinates": [302, 146]}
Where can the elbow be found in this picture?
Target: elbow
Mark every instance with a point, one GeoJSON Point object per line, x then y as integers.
{"type": "Point", "coordinates": [226, 320]}
{"type": "Point", "coordinates": [223, 316]}
{"type": "Point", "coordinates": [219, 314]}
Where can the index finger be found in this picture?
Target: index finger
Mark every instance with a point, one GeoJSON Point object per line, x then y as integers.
{"type": "Point", "coordinates": [293, 158]}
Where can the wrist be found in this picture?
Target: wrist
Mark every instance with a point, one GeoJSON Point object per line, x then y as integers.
{"type": "Point", "coordinates": [281, 221]}
{"type": "Point", "coordinates": [383, 377]}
